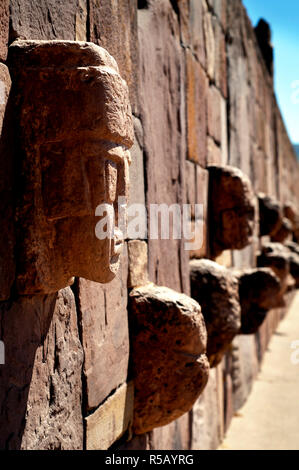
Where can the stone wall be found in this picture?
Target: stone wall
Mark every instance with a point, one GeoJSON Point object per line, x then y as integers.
{"type": "Point", "coordinates": [201, 95]}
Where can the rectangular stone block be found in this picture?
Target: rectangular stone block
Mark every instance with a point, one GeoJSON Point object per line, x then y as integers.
{"type": "Point", "coordinates": [138, 263]}
{"type": "Point", "coordinates": [197, 89]}
{"type": "Point", "coordinates": [137, 188]}
{"type": "Point", "coordinates": [40, 383]}
{"type": "Point", "coordinates": [7, 235]}
{"type": "Point", "coordinates": [4, 27]}
{"type": "Point", "coordinates": [213, 153]}
{"type": "Point", "coordinates": [220, 58]}
{"type": "Point", "coordinates": [111, 420]}
{"type": "Point", "coordinates": [190, 172]}
{"type": "Point", "coordinates": [191, 25]}
{"type": "Point", "coordinates": [48, 19]}
{"type": "Point", "coordinates": [173, 436]}
{"type": "Point", "coordinates": [206, 417]}
{"type": "Point", "coordinates": [244, 369]}
{"type": "Point", "coordinates": [105, 335]}
{"type": "Point", "coordinates": [214, 113]}
{"type": "Point", "coordinates": [162, 99]}
{"type": "Point", "coordinates": [200, 225]}
{"type": "Point", "coordinates": [113, 25]}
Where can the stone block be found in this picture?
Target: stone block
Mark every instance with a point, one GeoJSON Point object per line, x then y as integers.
{"type": "Point", "coordinates": [214, 156]}
{"type": "Point", "coordinates": [199, 225]}
{"type": "Point", "coordinates": [244, 369]}
{"type": "Point", "coordinates": [216, 289]}
{"type": "Point", "coordinates": [105, 335]}
{"type": "Point", "coordinates": [169, 365]}
{"type": "Point", "coordinates": [206, 417]}
{"type": "Point", "coordinates": [190, 178]}
{"type": "Point", "coordinates": [40, 383]}
{"type": "Point", "coordinates": [73, 159]}
{"type": "Point", "coordinates": [4, 27]}
{"type": "Point", "coordinates": [138, 263]}
{"type": "Point", "coordinates": [7, 236]}
{"type": "Point", "coordinates": [162, 108]}
{"type": "Point", "coordinates": [48, 19]}
{"type": "Point", "coordinates": [111, 420]}
{"type": "Point", "coordinates": [197, 89]}
{"type": "Point", "coordinates": [113, 25]}
{"type": "Point", "coordinates": [232, 206]}
{"type": "Point", "coordinates": [192, 27]}
{"type": "Point", "coordinates": [214, 113]}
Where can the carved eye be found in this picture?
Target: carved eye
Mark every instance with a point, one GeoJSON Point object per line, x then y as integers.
{"type": "Point", "coordinates": [110, 180]}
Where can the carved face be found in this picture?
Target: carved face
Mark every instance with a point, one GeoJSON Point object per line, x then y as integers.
{"type": "Point", "coordinates": [75, 129]}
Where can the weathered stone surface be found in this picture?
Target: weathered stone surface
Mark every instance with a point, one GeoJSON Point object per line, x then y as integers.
{"type": "Point", "coordinates": [4, 25]}
{"type": "Point", "coordinates": [169, 365]}
{"type": "Point", "coordinates": [111, 420]}
{"type": "Point", "coordinates": [41, 389]}
{"type": "Point", "coordinates": [74, 122]}
{"type": "Point", "coordinates": [277, 257]}
{"type": "Point", "coordinates": [214, 156]}
{"type": "Point", "coordinates": [207, 415]}
{"type": "Point", "coordinates": [137, 189]}
{"type": "Point", "coordinates": [47, 19]}
{"type": "Point", "coordinates": [7, 236]}
{"type": "Point", "coordinates": [197, 89]}
{"type": "Point", "coordinates": [192, 30]}
{"type": "Point", "coordinates": [232, 209]}
{"type": "Point", "coordinates": [105, 335]}
{"type": "Point", "coordinates": [270, 214]}
{"type": "Point", "coordinates": [214, 113]}
{"type": "Point", "coordinates": [162, 107]}
{"type": "Point", "coordinates": [244, 369]}
{"type": "Point", "coordinates": [113, 25]}
{"type": "Point", "coordinates": [259, 291]}
{"type": "Point", "coordinates": [283, 255]}
{"type": "Point", "coordinates": [201, 197]}
{"type": "Point", "coordinates": [290, 212]}
{"type": "Point", "coordinates": [138, 263]}
{"type": "Point", "coordinates": [284, 231]}
{"type": "Point", "coordinates": [215, 288]}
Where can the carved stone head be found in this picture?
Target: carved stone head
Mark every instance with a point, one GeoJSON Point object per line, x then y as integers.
{"type": "Point", "coordinates": [216, 289]}
{"type": "Point", "coordinates": [74, 128]}
{"type": "Point", "coordinates": [232, 209]}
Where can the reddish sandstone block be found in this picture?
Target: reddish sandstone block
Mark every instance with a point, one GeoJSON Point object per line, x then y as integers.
{"type": "Point", "coordinates": [7, 235]}
{"type": "Point", "coordinates": [48, 19]}
{"type": "Point", "coordinates": [197, 88]}
{"type": "Point", "coordinates": [105, 335]}
{"type": "Point", "coordinates": [113, 25]}
{"type": "Point", "coordinates": [40, 383]}
{"type": "Point", "coordinates": [4, 26]}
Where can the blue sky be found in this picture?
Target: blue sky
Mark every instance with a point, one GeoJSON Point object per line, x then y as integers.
{"type": "Point", "coordinates": [283, 16]}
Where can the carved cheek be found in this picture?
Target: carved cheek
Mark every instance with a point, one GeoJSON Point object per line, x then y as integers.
{"type": "Point", "coordinates": [111, 180]}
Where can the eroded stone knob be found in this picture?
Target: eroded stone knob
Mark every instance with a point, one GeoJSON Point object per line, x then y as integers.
{"type": "Point", "coordinates": [216, 288]}
{"type": "Point", "coordinates": [259, 291]}
{"type": "Point", "coordinates": [168, 345]}
{"type": "Point", "coordinates": [232, 207]}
